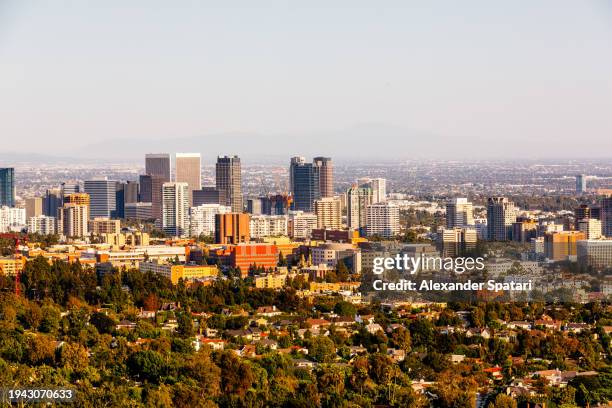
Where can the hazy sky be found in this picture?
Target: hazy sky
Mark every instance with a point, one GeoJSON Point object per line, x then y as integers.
{"type": "Point", "coordinates": [462, 78]}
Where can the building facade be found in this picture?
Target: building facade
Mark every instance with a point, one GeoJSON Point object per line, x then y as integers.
{"type": "Point", "coordinates": [175, 209]}
{"type": "Point", "coordinates": [229, 181]}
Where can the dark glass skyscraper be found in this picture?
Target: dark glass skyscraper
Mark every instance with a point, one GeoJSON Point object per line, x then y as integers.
{"type": "Point", "coordinates": [7, 186]}
{"type": "Point", "coordinates": [158, 165]}
{"type": "Point", "coordinates": [229, 181]}
{"type": "Point", "coordinates": [304, 183]}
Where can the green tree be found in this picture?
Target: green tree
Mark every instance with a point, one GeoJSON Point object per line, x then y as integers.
{"type": "Point", "coordinates": [322, 349]}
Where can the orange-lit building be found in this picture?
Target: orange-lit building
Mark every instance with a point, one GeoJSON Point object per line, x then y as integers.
{"type": "Point", "coordinates": [244, 256]}
{"type": "Point", "coordinates": [232, 228]}
{"type": "Point", "coordinates": [77, 198]}
{"type": "Point", "coordinates": [558, 246]}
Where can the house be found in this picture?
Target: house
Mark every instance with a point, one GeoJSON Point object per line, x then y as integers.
{"type": "Point", "coordinates": [268, 311]}
{"type": "Point", "coordinates": [478, 332]}
{"type": "Point", "coordinates": [457, 358]}
{"type": "Point", "coordinates": [519, 325]}
{"type": "Point", "coordinates": [374, 328]}
{"type": "Point", "coordinates": [248, 350]}
{"type": "Point", "coordinates": [267, 343]}
{"type": "Point", "coordinates": [317, 324]}
{"type": "Point", "coordinates": [303, 363]}
{"type": "Point", "coordinates": [215, 344]}
{"type": "Point", "coordinates": [397, 355]}
{"type": "Point", "coordinates": [125, 324]}
{"type": "Point", "coordinates": [577, 327]}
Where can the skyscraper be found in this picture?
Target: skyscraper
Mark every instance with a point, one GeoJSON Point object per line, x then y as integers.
{"type": "Point", "coordinates": [158, 164]}
{"type": "Point", "coordinates": [175, 209]}
{"type": "Point", "coordinates": [382, 219]}
{"type": "Point", "coordinates": [357, 200]}
{"type": "Point", "coordinates": [232, 228]}
{"type": "Point", "coordinates": [581, 180]}
{"type": "Point", "coordinates": [459, 213]}
{"type": "Point", "coordinates": [229, 181]}
{"type": "Point", "coordinates": [151, 192]}
{"type": "Point", "coordinates": [131, 192]}
{"type": "Point", "coordinates": [7, 186]}
{"type": "Point", "coordinates": [329, 213]}
{"type": "Point", "coordinates": [378, 187]}
{"type": "Point", "coordinates": [69, 188]}
{"type": "Point", "coordinates": [304, 183]}
{"type": "Point", "coordinates": [73, 220]}
{"type": "Point", "coordinates": [102, 197]}
{"type": "Point", "coordinates": [52, 202]}
{"type": "Point", "coordinates": [326, 175]}
{"type": "Point", "coordinates": [606, 216]}
{"type": "Point", "coordinates": [34, 207]}
{"type": "Point", "coordinates": [501, 214]}
{"type": "Point", "coordinates": [188, 170]}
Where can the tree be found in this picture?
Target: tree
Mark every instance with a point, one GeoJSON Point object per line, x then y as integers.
{"type": "Point", "coordinates": [322, 349]}
{"type": "Point", "coordinates": [103, 323]}
{"type": "Point", "coordinates": [503, 401]}
{"type": "Point", "coordinates": [147, 364]}
{"type": "Point", "coordinates": [74, 356]}
{"type": "Point", "coordinates": [400, 338]}
{"type": "Point", "coordinates": [185, 325]}
{"type": "Point", "coordinates": [344, 308]}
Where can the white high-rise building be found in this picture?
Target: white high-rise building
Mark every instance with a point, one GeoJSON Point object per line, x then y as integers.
{"type": "Point", "coordinates": [175, 209]}
{"type": "Point", "coordinates": [357, 201]}
{"type": "Point", "coordinates": [591, 227]}
{"type": "Point", "coordinates": [268, 226]}
{"type": "Point", "coordinates": [41, 224]}
{"type": "Point", "coordinates": [12, 218]}
{"type": "Point", "coordinates": [382, 219]}
{"type": "Point", "coordinates": [301, 224]}
{"type": "Point", "coordinates": [73, 220]}
{"type": "Point", "coordinates": [329, 213]}
{"type": "Point", "coordinates": [459, 213]}
{"type": "Point", "coordinates": [501, 214]}
{"type": "Point", "coordinates": [378, 187]}
{"type": "Point", "coordinates": [202, 218]}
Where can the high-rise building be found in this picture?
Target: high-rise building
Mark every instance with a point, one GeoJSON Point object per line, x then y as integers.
{"type": "Point", "coordinates": [558, 246]}
{"type": "Point", "coordinates": [41, 224]}
{"type": "Point", "coordinates": [501, 214]}
{"type": "Point", "coordinates": [78, 198]}
{"type": "Point", "coordinates": [581, 183]}
{"type": "Point", "coordinates": [304, 182]}
{"type": "Point", "coordinates": [329, 213]}
{"type": "Point", "coordinates": [382, 219]}
{"type": "Point", "coordinates": [73, 220]}
{"type": "Point", "coordinates": [229, 181]}
{"type": "Point", "coordinates": [70, 188]}
{"type": "Point", "coordinates": [453, 241]}
{"type": "Point", "coordinates": [188, 170]}
{"type": "Point", "coordinates": [131, 192]}
{"type": "Point", "coordinates": [357, 200]}
{"type": "Point", "coordinates": [12, 219]}
{"type": "Point", "coordinates": [102, 197]}
{"type": "Point", "coordinates": [255, 205]}
{"type": "Point", "coordinates": [151, 192]}
{"type": "Point", "coordinates": [326, 175]}
{"type": "Point", "coordinates": [378, 187]}
{"type": "Point", "coordinates": [119, 211]}
{"type": "Point", "coordinates": [606, 216]}
{"type": "Point", "coordinates": [268, 226]}
{"type": "Point", "coordinates": [459, 213]}
{"type": "Point", "coordinates": [596, 253]}
{"type": "Point", "coordinates": [7, 186]}
{"type": "Point", "coordinates": [276, 204]}
{"type": "Point", "coordinates": [34, 207]}
{"type": "Point", "coordinates": [175, 209]}
{"type": "Point", "coordinates": [591, 228]}
{"type": "Point", "coordinates": [208, 195]}
{"type": "Point", "coordinates": [52, 202]}
{"type": "Point", "coordinates": [232, 228]}
{"type": "Point", "coordinates": [202, 218]}
{"type": "Point", "coordinates": [138, 211]}
{"type": "Point", "coordinates": [301, 224]}
{"type": "Point", "coordinates": [158, 165]}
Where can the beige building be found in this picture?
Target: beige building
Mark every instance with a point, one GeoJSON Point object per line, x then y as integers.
{"type": "Point", "coordinates": [271, 281]}
{"type": "Point", "coordinates": [591, 228]}
{"type": "Point", "coordinates": [73, 220]}
{"type": "Point", "coordinates": [188, 273]}
{"type": "Point", "coordinates": [103, 225]}
{"type": "Point", "coordinates": [33, 207]}
{"type": "Point", "coordinates": [189, 170]}
{"type": "Point", "coordinates": [329, 213]}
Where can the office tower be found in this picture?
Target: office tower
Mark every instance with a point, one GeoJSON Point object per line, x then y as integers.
{"type": "Point", "coordinates": [255, 205]}
{"type": "Point", "coordinates": [558, 246]}
{"type": "Point", "coordinates": [378, 187]}
{"type": "Point", "coordinates": [329, 213]}
{"type": "Point", "coordinates": [7, 186]}
{"type": "Point", "coordinates": [454, 241]}
{"type": "Point", "coordinates": [175, 209]}
{"type": "Point", "coordinates": [138, 211]}
{"type": "Point", "coordinates": [70, 188]}
{"type": "Point", "coordinates": [382, 219]}
{"type": "Point", "coordinates": [188, 170]}
{"type": "Point", "coordinates": [304, 182]}
{"type": "Point", "coordinates": [276, 204]}
{"type": "Point", "coordinates": [326, 175]}
{"type": "Point", "coordinates": [52, 202]}
{"type": "Point", "coordinates": [501, 214]}
{"type": "Point", "coordinates": [72, 220]}
{"type": "Point", "coordinates": [119, 200]}
{"type": "Point", "coordinates": [78, 198]}
{"type": "Point", "coordinates": [34, 207]}
{"type": "Point", "coordinates": [523, 230]}
{"type": "Point", "coordinates": [606, 216]}
{"type": "Point", "coordinates": [151, 192]}
{"type": "Point", "coordinates": [12, 219]}
{"type": "Point", "coordinates": [101, 226]}
{"type": "Point", "coordinates": [131, 192]}
{"type": "Point", "coordinates": [202, 218]}
{"type": "Point", "coordinates": [581, 181]}
{"type": "Point", "coordinates": [268, 226]}
{"type": "Point", "coordinates": [229, 181]}
{"type": "Point", "coordinates": [358, 199]}
{"type": "Point", "coordinates": [41, 224]}
{"type": "Point", "coordinates": [232, 228]}
{"type": "Point", "coordinates": [459, 213]}
{"type": "Point", "coordinates": [102, 197]}
{"type": "Point", "coordinates": [591, 228]}
{"type": "Point", "coordinates": [301, 224]}
{"type": "Point", "coordinates": [208, 195]}
{"type": "Point", "coordinates": [580, 213]}
{"type": "Point", "coordinates": [158, 165]}
{"type": "Point", "coordinates": [595, 253]}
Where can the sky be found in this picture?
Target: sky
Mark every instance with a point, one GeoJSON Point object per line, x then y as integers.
{"type": "Point", "coordinates": [440, 79]}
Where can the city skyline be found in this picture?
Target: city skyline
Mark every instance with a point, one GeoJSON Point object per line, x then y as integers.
{"type": "Point", "coordinates": [402, 81]}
